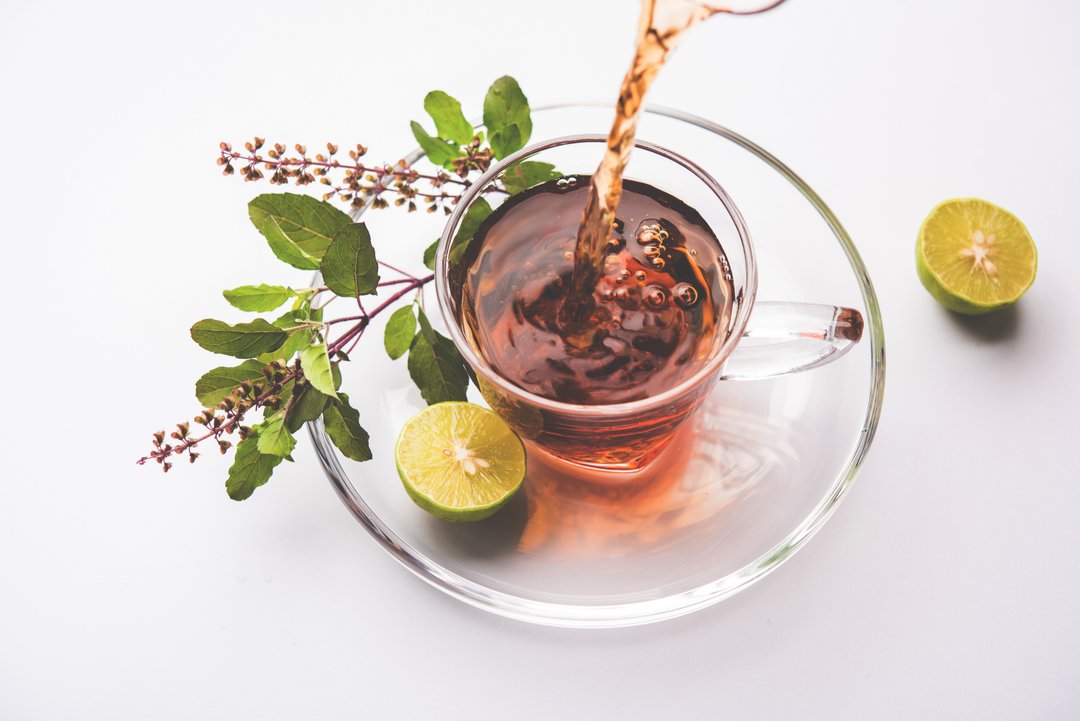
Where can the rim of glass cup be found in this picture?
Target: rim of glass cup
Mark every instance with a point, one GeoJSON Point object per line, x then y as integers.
{"type": "Point", "coordinates": [709, 369]}
{"type": "Point", "coordinates": [640, 612]}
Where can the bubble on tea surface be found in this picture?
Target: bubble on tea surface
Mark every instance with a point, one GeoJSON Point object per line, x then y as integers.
{"type": "Point", "coordinates": [648, 231]}
{"type": "Point", "coordinates": [640, 276]}
{"type": "Point", "coordinates": [654, 296]}
{"type": "Point", "coordinates": [614, 243]}
{"type": "Point", "coordinates": [686, 295]}
{"type": "Point", "coordinates": [625, 298]}
{"type": "Point", "coordinates": [651, 251]}
{"type": "Point", "coordinates": [658, 263]}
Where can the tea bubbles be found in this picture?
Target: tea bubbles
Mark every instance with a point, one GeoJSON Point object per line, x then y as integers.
{"type": "Point", "coordinates": [686, 295]}
{"type": "Point", "coordinates": [656, 302]}
{"type": "Point", "coordinates": [654, 296]}
{"type": "Point", "coordinates": [653, 236]}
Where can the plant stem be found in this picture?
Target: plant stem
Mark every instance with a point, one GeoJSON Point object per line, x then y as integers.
{"type": "Point", "coordinates": [405, 172]}
{"type": "Point", "coordinates": [216, 432]}
{"type": "Point", "coordinates": [362, 322]}
{"type": "Point", "coordinates": [408, 276]}
{"type": "Point", "coordinates": [353, 334]}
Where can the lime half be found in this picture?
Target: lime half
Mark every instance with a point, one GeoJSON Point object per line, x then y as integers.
{"type": "Point", "coordinates": [975, 257]}
{"type": "Point", "coordinates": [459, 461]}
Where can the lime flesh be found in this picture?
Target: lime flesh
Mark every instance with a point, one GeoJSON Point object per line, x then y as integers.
{"type": "Point", "coordinates": [459, 461]}
{"type": "Point", "coordinates": [975, 257]}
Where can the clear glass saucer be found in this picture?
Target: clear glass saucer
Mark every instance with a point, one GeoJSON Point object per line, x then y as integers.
{"type": "Point", "coordinates": [750, 480]}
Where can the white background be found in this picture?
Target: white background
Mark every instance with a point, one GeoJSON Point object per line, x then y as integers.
{"type": "Point", "coordinates": [944, 587]}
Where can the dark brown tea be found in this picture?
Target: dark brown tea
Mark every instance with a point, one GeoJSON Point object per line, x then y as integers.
{"type": "Point", "coordinates": [664, 293]}
{"type": "Point", "coordinates": [661, 27]}
{"type": "Point", "coordinates": [592, 290]}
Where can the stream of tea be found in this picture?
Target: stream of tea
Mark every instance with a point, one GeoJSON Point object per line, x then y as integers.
{"type": "Point", "coordinates": [588, 291]}
{"type": "Point", "coordinates": [661, 26]}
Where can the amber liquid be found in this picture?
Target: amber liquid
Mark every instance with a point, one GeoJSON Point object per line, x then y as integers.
{"type": "Point", "coordinates": [660, 27]}
{"type": "Point", "coordinates": [663, 294]}
{"type": "Point", "coordinates": [661, 307]}
{"type": "Point", "coordinates": [592, 290]}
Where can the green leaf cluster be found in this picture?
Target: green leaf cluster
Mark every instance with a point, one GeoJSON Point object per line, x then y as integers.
{"type": "Point", "coordinates": [507, 122]}
{"type": "Point", "coordinates": [310, 234]}
{"type": "Point", "coordinates": [434, 363]}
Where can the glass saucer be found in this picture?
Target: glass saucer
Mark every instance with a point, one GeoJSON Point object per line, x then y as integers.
{"type": "Point", "coordinates": [757, 472]}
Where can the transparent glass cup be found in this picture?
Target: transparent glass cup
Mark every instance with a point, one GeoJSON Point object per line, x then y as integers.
{"type": "Point", "coordinates": [762, 339]}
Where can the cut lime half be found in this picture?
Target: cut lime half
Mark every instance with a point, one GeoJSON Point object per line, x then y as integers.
{"type": "Point", "coordinates": [975, 257]}
{"type": "Point", "coordinates": [459, 461]}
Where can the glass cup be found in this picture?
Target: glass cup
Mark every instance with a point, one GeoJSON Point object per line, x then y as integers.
{"type": "Point", "coordinates": [761, 340]}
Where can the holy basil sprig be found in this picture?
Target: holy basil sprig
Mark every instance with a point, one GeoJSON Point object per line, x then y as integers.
{"type": "Point", "coordinates": [456, 149]}
{"type": "Point", "coordinates": [290, 367]}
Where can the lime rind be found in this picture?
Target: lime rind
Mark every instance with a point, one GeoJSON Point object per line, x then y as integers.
{"type": "Point", "coordinates": [949, 276]}
{"type": "Point", "coordinates": [459, 461]}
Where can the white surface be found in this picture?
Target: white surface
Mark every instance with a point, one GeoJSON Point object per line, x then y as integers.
{"type": "Point", "coordinates": [945, 585]}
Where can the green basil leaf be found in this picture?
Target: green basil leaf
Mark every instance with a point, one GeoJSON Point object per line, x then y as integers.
{"type": "Point", "coordinates": [297, 227]}
{"type": "Point", "coordinates": [343, 426]}
{"type": "Point", "coordinates": [309, 405]}
{"type": "Point", "coordinates": [218, 383]}
{"type": "Point", "coordinates": [440, 152]}
{"type": "Point", "coordinates": [507, 117]}
{"type": "Point", "coordinates": [274, 438]}
{"type": "Point", "coordinates": [400, 330]}
{"type": "Point", "coordinates": [436, 367]}
{"type": "Point", "coordinates": [257, 298]}
{"type": "Point", "coordinates": [429, 255]}
{"type": "Point", "coordinates": [243, 340]}
{"type": "Point", "coordinates": [298, 339]}
{"type": "Point", "coordinates": [450, 122]}
{"type": "Point", "coordinates": [250, 468]}
{"type": "Point", "coordinates": [528, 173]}
{"type": "Point", "coordinates": [474, 216]}
{"type": "Point", "coordinates": [349, 267]}
{"type": "Point", "coordinates": [506, 141]}
{"type": "Point", "coordinates": [316, 366]}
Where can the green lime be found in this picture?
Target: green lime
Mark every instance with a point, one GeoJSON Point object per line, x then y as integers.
{"type": "Point", "coordinates": [975, 257]}
{"type": "Point", "coordinates": [459, 461]}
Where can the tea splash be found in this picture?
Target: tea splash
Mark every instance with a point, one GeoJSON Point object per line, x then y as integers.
{"type": "Point", "coordinates": [664, 294]}
{"type": "Point", "coordinates": [661, 27]}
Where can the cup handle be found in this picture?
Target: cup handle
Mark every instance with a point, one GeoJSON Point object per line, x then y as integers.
{"type": "Point", "coordinates": [790, 337]}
